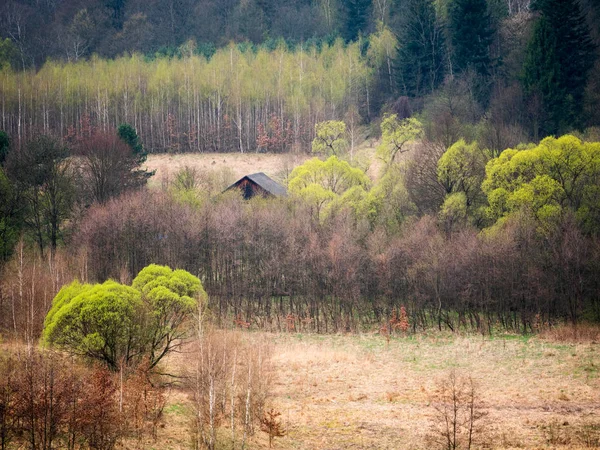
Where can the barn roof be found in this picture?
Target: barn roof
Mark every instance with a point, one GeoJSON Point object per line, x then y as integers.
{"type": "Point", "coordinates": [265, 182]}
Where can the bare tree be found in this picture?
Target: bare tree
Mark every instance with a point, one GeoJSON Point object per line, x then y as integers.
{"type": "Point", "coordinates": [108, 167]}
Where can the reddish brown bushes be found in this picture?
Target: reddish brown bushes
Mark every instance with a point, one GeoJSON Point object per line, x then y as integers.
{"type": "Point", "coordinates": [262, 261]}
{"type": "Point", "coordinates": [48, 400]}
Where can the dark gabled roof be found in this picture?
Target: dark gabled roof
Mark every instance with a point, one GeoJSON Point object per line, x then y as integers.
{"type": "Point", "coordinates": [268, 184]}
{"type": "Point", "coordinates": [265, 182]}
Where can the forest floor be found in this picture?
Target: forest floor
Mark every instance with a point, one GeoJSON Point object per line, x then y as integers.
{"type": "Point", "coordinates": [360, 392]}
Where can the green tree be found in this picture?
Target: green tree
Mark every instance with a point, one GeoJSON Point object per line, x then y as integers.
{"type": "Point", "coordinates": [462, 169]}
{"type": "Point", "coordinates": [172, 296]}
{"type": "Point", "coordinates": [357, 16]}
{"type": "Point", "coordinates": [471, 34]}
{"type": "Point", "coordinates": [9, 54]}
{"type": "Point", "coordinates": [382, 52]}
{"type": "Point", "coordinates": [454, 211]}
{"type": "Point", "coordinates": [559, 57]}
{"type": "Point", "coordinates": [121, 325]}
{"type": "Point", "coordinates": [330, 137]}
{"type": "Point", "coordinates": [128, 134]}
{"type": "Point", "coordinates": [321, 184]}
{"type": "Point", "coordinates": [396, 135]}
{"type": "Point", "coordinates": [389, 203]}
{"type": "Point", "coordinates": [9, 217]}
{"type": "Point", "coordinates": [549, 179]}
{"type": "Point", "coordinates": [4, 146]}
{"type": "Point", "coordinates": [43, 178]}
{"type": "Point", "coordinates": [421, 60]}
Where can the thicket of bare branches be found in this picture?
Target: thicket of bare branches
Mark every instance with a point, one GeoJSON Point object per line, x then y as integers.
{"type": "Point", "coordinates": [229, 381]}
{"type": "Point", "coordinates": [458, 421]}
{"type": "Point", "coordinates": [269, 265]}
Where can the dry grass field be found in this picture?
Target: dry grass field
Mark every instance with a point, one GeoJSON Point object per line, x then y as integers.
{"type": "Point", "coordinates": [359, 392]}
{"type": "Point", "coordinates": [233, 165]}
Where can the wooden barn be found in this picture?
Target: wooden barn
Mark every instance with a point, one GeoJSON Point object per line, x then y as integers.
{"type": "Point", "coordinates": [258, 184]}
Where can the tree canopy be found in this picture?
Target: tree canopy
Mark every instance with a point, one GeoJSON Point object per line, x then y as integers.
{"type": "Point", "coordinates": [119, 324]}
{"type": "Point", "coordinates": [396, 135]}
{"type": "Point", "coordinates": [559, 56]}
{"type": "Point", "coordinates": [549, 179]}
{"type": "Point", "coordinates": [330, 137]}
{"type": "Point", "coordinates": [320, 183]}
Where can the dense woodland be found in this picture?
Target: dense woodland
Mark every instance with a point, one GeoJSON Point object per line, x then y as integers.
{"type": "Point", "coordinates": [478, 210]}
{"type": "Point", "coordinates": [221, 76]}
{"type": "Point", "coordinates": [475, 220]}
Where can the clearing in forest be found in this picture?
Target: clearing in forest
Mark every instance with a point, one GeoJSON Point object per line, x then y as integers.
{"type": "Point", "coordinates": [232, 165]}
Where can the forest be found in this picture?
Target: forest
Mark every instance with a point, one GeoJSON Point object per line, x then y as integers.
{"type": "Point", "coordinates": [499, 71]}
{"type": "Point", "coordinates": [442, 166]}
{"type": "Point", "coordinates": [474, 218]}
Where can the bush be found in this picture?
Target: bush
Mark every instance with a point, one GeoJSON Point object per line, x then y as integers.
{"type": "Point", "coordinates": [120, 325]}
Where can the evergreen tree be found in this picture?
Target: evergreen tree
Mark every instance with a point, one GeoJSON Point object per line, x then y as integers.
{"type": "Point", "coordinates": [128, 134]}
{"type": "Point", "coordinates": [4, 146]}
{"type": "Point", "coordinates": [357, 15]}
{"type": "Point", "coordinates": [422, 54]}
{"type": "Point", "coordinates": [471, 35]}
{"type": "Point", "coordinates": [559, 57]}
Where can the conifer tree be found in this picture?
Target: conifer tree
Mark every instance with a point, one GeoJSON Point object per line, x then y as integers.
{"type": "Point", "coordinates": [357, 14]}
{"type": "Point", "coordinates": [422, 55]}
{"type": "Point", "coordinates": [471, 35]}
{"type": "Point", "coordinates": [559, 57]}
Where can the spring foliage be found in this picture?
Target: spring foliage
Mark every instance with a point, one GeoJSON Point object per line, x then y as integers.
{"type": "Point", "coordinates": [396, 135]}
{"type": "Point", "coordinates": [549, 179]}
{"type": "Point", "coordinates": [324, 184]}
{"type": "Point", "coordinates": [120, 324]}
{"type": "Point", "coordinates": [192, 103]}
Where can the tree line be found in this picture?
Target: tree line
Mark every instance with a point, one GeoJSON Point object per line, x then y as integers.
{"type": "Point", "coordinates": [238, 100]}
{"type": "Point", "coordinates": [458, 237]}
{"type": "Point", "coordinates": [498, 71]}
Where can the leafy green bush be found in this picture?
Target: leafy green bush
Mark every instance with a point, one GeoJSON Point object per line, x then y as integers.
{"type": "Point", "coordinates": [120, 325]}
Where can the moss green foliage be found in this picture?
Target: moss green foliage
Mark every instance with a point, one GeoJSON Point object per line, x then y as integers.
{"type": "Point", "coordinates": [396, 135]}
{"type": "Point", "coordinates": [330, 137]}
{"type": "Point", "coordinates": [329, 184]}
{"type": "Point", "coordinates": [389, 203]}
{"type": "Point", "coordinates": [461, 169]}
{"type": "Point", "coordinates": [120, 324]}
{"type": "Point", "coordinates": [549, 179]}
{"type": "Point", "coordinates": [9, 53]}
{"type": "Point", "coordinates": [454, 211]}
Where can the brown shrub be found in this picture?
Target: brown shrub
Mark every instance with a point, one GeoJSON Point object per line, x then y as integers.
{"type": "Point", "coordinates": [569, 332]}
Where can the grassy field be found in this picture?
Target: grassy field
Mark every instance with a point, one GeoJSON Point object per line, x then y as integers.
{"type": "Point", "coordinates": [232, 165]}
{"type": "Point", "coordinates": [359, 392]}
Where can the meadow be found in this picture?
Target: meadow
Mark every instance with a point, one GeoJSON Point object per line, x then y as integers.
{"type": "Point", "coordinates": [361, 392]}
